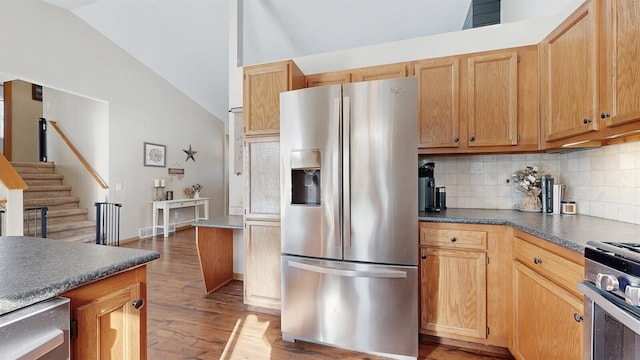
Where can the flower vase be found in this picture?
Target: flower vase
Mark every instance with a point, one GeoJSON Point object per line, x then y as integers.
{"type": "Point", "coordinates": [196, 195]}
{"type": "Point", "coordinates": [531, 201]}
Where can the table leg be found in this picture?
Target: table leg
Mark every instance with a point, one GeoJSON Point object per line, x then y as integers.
{"type": "Point", "coordinates": [154, 222]}
{"type": "Point", "coordinates": [165, 214]}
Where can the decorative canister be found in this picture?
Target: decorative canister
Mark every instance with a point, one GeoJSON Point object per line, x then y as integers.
{"type": "Point", "coordinates": [569, 207]}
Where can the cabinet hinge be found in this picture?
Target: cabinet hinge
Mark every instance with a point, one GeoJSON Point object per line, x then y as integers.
{"type": "Point", "coordinates": [73, 331]}
{"type": "Point", "coordinates": [244, 76]}
{"type": "Point", "coordinates": [487, 260]}
{"type": "Point", "coordinates": [487, 331]}
{"type": "Point", "coordinates": [518, 58]}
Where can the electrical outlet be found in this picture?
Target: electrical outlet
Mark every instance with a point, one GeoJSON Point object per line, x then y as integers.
{"type": "Point", "coordinates": [119, 186]}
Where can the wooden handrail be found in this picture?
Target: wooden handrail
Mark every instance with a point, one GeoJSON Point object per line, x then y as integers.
{"type": "Point", "coordinates": [84, 162]}
{"type": "Point", "coordinates": [9, 176]}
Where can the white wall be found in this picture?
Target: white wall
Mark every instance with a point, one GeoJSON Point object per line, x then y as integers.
{"type": "Point", "coordinates": [518, 10]}
{"type": "Point", "coordinates": [45, 44]}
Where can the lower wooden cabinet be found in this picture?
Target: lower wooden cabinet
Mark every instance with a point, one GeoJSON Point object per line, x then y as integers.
{"type": "Point", "coordinates": [262, 264]}
{"type": "Point", "coordinates": [548, 309]}
{"type": "Point", "coordinates": [463, 289]}
{"type": "Point", "coordinates": [545, 325]}
{"type": "Point", "coordinates": [453, 290]}
{"type": "Point", "coordinates": [109, 317]}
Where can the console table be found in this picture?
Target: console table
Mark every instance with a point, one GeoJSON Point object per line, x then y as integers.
{"type": "Point", "coordinates": [167, 205]}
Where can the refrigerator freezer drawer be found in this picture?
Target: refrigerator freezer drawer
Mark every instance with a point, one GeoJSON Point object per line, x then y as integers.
{"type": "Point", "coordinates": [363, 307]}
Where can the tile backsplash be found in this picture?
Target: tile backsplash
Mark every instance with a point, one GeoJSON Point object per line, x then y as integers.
{"type": "Point", "coordinates": [604, 182]}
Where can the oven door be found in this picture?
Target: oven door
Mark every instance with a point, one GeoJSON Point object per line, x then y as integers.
{"type": "Point", "coordinates": [612, 327]}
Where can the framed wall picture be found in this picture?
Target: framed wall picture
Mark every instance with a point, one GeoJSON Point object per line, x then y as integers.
{"type": "Point", "coordinates": [154, 155]}
{"type": "Point", "coordinates": [36, 92]}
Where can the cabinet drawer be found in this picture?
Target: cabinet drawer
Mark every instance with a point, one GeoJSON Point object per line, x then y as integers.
{"type": "Point", "coordinates": [452, 238]}
{"type": "Point", "coordinates": [554, 267]}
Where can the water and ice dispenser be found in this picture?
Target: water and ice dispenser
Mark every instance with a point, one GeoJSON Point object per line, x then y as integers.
{"type": "Point", "coordinates": [305, 177]}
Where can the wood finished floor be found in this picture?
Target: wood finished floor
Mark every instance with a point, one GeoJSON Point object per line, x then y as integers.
{"type": "Point", "coordinates": [186, 323]}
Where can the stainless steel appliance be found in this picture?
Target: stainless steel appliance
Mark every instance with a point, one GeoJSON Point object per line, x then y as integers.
{"type": "Point", "coordinates": [349, 216]}
{"type": "Point", "coordinates": [612, 301]}
{"type": "Point", "coordinates": [39, 331]}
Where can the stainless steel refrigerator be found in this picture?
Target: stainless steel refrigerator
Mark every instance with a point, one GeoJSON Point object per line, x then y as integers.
{"type": "Point", "coordinates": [349, 218]}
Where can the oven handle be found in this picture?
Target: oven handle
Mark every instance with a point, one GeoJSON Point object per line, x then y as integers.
{"type": "Point", "coordinates": [608, 305]}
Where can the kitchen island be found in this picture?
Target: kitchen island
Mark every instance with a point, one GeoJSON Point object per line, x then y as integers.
{"type": "Point", "coordinates": [106, 286]}
{"type": "Point", "coordinates": [214, 241]}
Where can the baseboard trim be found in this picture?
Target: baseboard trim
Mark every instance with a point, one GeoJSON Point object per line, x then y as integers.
{"type": "Point", "coordinates": [495, 351]}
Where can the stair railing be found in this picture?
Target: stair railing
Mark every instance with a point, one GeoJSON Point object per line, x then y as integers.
{"type": "Point", "coordinates": [108, 223]}
{"type": "Point", "coordinates": [75, 151]}
{"type": "Point", "coordinates": [36, 218]}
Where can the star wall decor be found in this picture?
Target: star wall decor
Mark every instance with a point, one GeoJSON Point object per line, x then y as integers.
{"type": "Point", "coordinates": [190, 154]}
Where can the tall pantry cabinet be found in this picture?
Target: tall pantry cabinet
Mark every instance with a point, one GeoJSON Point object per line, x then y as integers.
{"type": "Point", "coordinates": [262, 85]}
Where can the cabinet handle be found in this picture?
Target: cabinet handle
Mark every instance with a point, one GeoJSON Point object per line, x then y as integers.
{"type": "Point", "coordinates": [472, 138]}
{"type": "Point", "coordinates": [138, 303]}
{"type": "Point", "coordinates": [455, 139]}
{"type": "Point", "coordinates": [586, 121]}
{"type": "Point", "coordinates": [423, 257]}
{"type": "Point", "coordinates": [537, 261]}
{"type": "Point", "coordinates": [577, 317]}
{"type": "Point", "coordinates": [605, 115]}
{"type": "Point", "coordinates": [453, 239]}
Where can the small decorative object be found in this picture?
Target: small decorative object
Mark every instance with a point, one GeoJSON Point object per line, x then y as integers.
{"type": "Point", "coordinates": [159, 185]}
{"type": "Point", "coordinates": [528, 182]}
{"type": "Point", "coordinates": [190, 154]}
{"type": "Point", "coordinates": [154, 155]}
{"type": "Point", "coordinates": [193, 191]}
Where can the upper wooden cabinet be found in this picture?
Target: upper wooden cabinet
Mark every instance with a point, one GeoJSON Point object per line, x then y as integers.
{"type": "Point", "coordinates": [439, 102]}
{"type": "Point", "coordinates": [568, 76]}
{"type": "Point", "coordinates": [261, 96]}
{"type": "Point", "coordinates": [619, 67]}
{"type": "Point", "coordinates": [484, 102]}
{"type": "Point", "coordinates": [381, 72]}
{"type": "Point", "coordinates": [332, 78]}
{"type": "Point", "coordinates": [389, 71]}
{"type": "Point", "coordinates": [492, 99]}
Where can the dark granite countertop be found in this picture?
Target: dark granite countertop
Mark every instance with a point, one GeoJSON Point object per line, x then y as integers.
{"type": "Point", "coordinates": [570, 231]}
{"type": "Point", "coordinates": [224, 222]}
{"type": "Point", "coordinates": [33, 270]}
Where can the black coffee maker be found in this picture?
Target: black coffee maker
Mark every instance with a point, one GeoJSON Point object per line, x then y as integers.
{"type": "Point", "coordinates": [429, 183]}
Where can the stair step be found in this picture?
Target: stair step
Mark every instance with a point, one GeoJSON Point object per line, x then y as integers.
{"type": "Point", "coordinates": [34, 168]}
{"type": "Point", "coordinates": [65, 202]}
{"type": "Point", "coordinates": [82, 238]}
{"type": "Point", "coordinates": [63, 215]}
{"type": "Point", "coordinates": [69, 229]}
{"type": "Point", "coordinates": [42, 179]}
{"type": "Point", "coordinates": [47, 191]}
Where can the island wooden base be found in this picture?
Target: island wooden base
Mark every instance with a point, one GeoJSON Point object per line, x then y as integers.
{"type": "Point", "coordinates": [215, 253]}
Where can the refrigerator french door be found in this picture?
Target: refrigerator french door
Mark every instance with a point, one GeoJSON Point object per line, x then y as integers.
{"type": "Point", "coordinates": [349, 219]}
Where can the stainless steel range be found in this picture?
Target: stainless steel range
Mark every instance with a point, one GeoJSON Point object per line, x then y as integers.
{"type": "Point", "coordinates": [612, 300]}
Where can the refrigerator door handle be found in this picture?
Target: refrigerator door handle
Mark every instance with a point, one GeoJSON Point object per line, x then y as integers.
{"type": "Point", "coordinates": [337, 179]}
{"type": "Point", "coordinates": [389, 274]}
{"type": "Point", "coordinates": [346, 172]}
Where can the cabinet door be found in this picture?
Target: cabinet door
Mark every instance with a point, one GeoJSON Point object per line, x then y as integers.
{"type": "Point", "coordinates": [263, 178]}
{"type": "Point", "coordinates": [568, 77]}
{"type": "Point", "coordinates": [438, 112]}
{"type": "Point", "coordinates": [545, 325]}
{"type": "Point", "coordinates": [620, 68]}
{"type": "Point", "coordinates": [108, 327]}
{"type": "Point", "coordinates": [453, 292]}
{"type": "Point", "coordinates": [492, 99]}
{"type": "Point", "coordinates": [262, 87]}
{"type": "Point", "coordinates": [381, 72]}
{"type": "Point", "coordinates": [332, 78]}
{"type": "Point", "coordinates": [262, 264]}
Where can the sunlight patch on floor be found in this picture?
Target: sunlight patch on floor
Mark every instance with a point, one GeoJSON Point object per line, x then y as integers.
{"type": "Point", "coordinates": [250, 342]}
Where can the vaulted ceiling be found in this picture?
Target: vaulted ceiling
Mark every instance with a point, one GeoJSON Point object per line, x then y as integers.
{"type": "Point", "coordinates": [187, 41]}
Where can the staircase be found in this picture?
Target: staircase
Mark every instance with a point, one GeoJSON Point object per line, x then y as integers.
{"type": "Point", "coordinates": [65, 220]}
